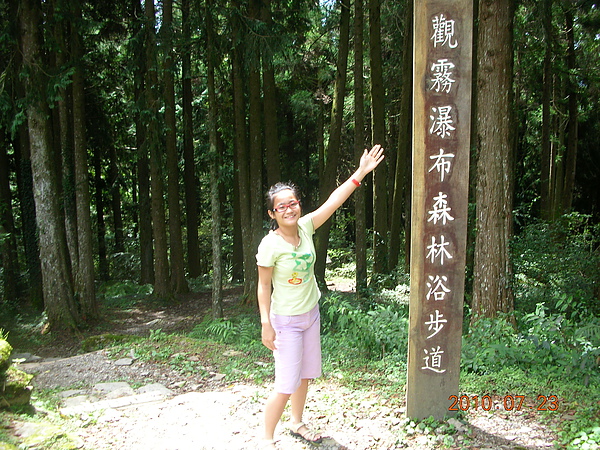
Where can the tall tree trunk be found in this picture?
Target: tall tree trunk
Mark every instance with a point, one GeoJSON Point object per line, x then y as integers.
{"type": "Point", "coordinates": [99, 190]}
{"type": "Point", "coordinates": [29, 228]}
{"type": "Point", "coordinates": [162, 286]}
{"type": "Point", "coordinates": [359, 145]}
{"type": "Point", "coordinates": [142, 163]}
{"type": "Point", "coordinates": [495, 127]}
{"type": "Point", "coordinates": [115, 199]}
{"type": "Point", "coordinates": [242, 162]}
{"type": "Point", "coordinates": [255, 155]}
{"type": "Point", "coordinates": [8, 243]}
{"type": "Point", "coordinates": [329, 179]}
{"type": "Point", "coordinates": [237, 253]}
{"type": "Point", "coordinates": [189, 166]}
{"type": "Point", "coordinates": [56, 271]}
{"type": "Point", "coordinates": [380, 177]}
{"type": "Point", "coordinates": [217, 283]}
{"type": "Point", "coordinates": [85, 276]}
{"type": "Point", "coordinates": [402, 174]}
{"type": "Point", "coordinates": [546, 145]}
{"type": "Point", "coordinates": [65, 135]}
{"type": "Point", "coordinates": [273, 165]}
{"type": "Point", "coordinates": [24, 177]}
{"type": "Point", "coordinates": [178, 281]}
{"type": "Point", "coordinates": [572, 132]}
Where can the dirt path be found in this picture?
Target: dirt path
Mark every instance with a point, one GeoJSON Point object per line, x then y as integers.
{"type": "Point", "coordinates": [225, 417]}
{"type": "Point", "coordinates": [211, 414]}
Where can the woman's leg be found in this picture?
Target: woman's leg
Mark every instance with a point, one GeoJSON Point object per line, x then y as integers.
{"type": "Point", "coordinates": [298, 401]}
{"type": "Point", "coordinates": [273, 411]}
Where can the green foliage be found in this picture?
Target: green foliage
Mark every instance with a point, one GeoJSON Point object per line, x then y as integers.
{"type": "Point", "coordinates": [122, 294]}
{"type": "Point", "coordinates": [437, 434]}
{"type": "Point", "coordinates": [546, 353]}
{"type": "Point", "coordinates": [558, 264]}
{"type": "Point", "coordinates": [98, 342]}
{"type": "Point", "coordinates": [246, 357]}
{"type": "Point", "coordinates": [544, 342]}
{"type": "Point", "coordinates": [577, 402]}
{"type": "Point", "coordinates": [242, 330]}
{"type": "Point", "coordinates": [125, 266]}
{"type": "Point", "coordinates": [6, 440]}
{"type": "Point", "coordinates": [372, 329]}
{"type": "Point", "coordinates": [588, 439]}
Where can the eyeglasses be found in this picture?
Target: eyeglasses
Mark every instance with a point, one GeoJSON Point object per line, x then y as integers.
{"type": "Point", "coordinates": [282, 208]}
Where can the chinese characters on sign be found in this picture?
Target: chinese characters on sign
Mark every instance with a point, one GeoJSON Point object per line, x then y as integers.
{"type": "Point", "coordinates": [442, 57]}
{"type": "Point", "coordinates": [442, 125]}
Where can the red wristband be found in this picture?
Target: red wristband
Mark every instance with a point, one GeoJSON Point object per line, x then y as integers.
{"type": "Point", "coordinates": [356, 182]}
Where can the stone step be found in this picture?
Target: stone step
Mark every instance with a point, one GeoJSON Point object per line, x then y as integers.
{"type": "Point", "coordinates": [114, 395]}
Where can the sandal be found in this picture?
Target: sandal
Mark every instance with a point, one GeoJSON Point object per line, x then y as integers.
{"type": "Point", "coordinates": [308, 435]}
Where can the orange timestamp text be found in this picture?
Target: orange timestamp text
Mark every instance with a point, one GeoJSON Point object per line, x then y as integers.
{"type": "Point", "coordinates": [506, 403]}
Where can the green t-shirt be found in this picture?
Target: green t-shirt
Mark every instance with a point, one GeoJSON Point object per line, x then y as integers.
{"type": "Point", "coordinates": [295, 289]}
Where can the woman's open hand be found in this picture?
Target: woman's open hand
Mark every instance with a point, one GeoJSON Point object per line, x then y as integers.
{"type": "Point", "coordinates": [371, 159]}
{"type": "Point", "coordinates": [268, 336]}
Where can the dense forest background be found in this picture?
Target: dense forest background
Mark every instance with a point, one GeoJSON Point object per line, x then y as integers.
{"type": "Point", "coordinates": [137, 140]}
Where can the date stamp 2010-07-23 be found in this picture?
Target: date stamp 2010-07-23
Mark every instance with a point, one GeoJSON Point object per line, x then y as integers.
{"type": "Point", "coordinates": [502, 403]}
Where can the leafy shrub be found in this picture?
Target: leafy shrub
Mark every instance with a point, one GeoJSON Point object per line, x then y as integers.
{"type": "Point", "coordinates": [242, 330]}
{"type": "Point", "coordinates": [586, 440]}
{"type": "Point", "coordinates": [544, 342]}
{"type": "Point", "coordinates": [373, 329]}
{"type": "Point", "coordinates": [562, 346]}
{"type": "Point", "coordinates": [489, 346]}
{"type": "Point", "coordinates": [123, 294]}
{"type": "Point", "coordinates": [125, 265]}
{"type": "Point", "coordinates": [558, 263]}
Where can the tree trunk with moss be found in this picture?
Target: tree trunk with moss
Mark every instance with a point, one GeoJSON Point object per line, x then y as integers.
{"type": "Point", "coordinates": [56, 268]}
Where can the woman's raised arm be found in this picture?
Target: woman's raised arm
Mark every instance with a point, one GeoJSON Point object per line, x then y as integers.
{"type": "Point", "coordinates": [368, 162]}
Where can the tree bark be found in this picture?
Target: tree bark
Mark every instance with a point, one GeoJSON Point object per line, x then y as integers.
{"type": "Point", "coordinates": [29, 228]}
{"type": "Point", "coordinates": [380, 176]}
{"type": "Point", "coordinates": [178, 282]}
{"type": "Point", "coordinates": [328, 180]}
{"type": "Point", "coordinates": [573, 115]}
{"type": "Point", "coordinates": [99, 190]}
{"type": "Point", "coordinates": [8, 243]}
{"type": "Point", "coordinates": [115, 199]}
{"type": "Point", "coordinates": [494, 192]}
{"type": "Point", "coordinates": [64, 136]}
{"type": "Point", "coordinates": [217, 281]}
{"type": "Point", "coordinates": [162, 286]}
{"type": "Point", "coordinates": [85, 277]}
{"type": "Point", "coordinates": [359, 145]}
{"type": "Point", "coordinates": [400, 217]}
{"type": "Point", "coordinates": [255, 157]}
{"type": "Point", "coordinates": [242, 160]}
{"type": "Point", "coordinates": [547, 154]}
{"type": "Point", "coordinates": [22, 159]}
{"type": "Point", "coordinates": [142, 163]}
{"type": "Point", "coordinates": [56, 270]}
{"type": "Point", "coordinates": [270, 105]}
{"type": "Point", "coordinates": [189, 166]}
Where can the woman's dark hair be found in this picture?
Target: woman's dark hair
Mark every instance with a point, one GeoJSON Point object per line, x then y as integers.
{"type": "Point", "coordinates": [276, 189]}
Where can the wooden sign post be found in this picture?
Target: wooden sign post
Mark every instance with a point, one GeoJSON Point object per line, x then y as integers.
{"type": "Point", "coordinates": [441, 139]}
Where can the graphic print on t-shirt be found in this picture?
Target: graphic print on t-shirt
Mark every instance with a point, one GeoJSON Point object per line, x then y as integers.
{"type": "Point", "coordinates": [303, 262]}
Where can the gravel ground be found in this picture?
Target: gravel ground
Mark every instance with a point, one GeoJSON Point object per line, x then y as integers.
{"type": "Point", "coordinates": [209, 413]}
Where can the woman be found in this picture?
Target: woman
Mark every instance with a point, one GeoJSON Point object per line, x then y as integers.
{"type": "Point", "coordinates": [288, 295]}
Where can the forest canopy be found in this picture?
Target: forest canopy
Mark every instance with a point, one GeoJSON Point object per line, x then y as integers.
{"type": "Point", "coordinates": [137, 140]}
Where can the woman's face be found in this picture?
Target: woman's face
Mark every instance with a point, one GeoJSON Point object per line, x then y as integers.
{"type": "Point", "coordinates": [288, 215]}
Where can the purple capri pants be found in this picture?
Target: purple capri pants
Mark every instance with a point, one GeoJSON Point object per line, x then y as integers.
{"type": "Point", "coordinates": [298, 352]}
